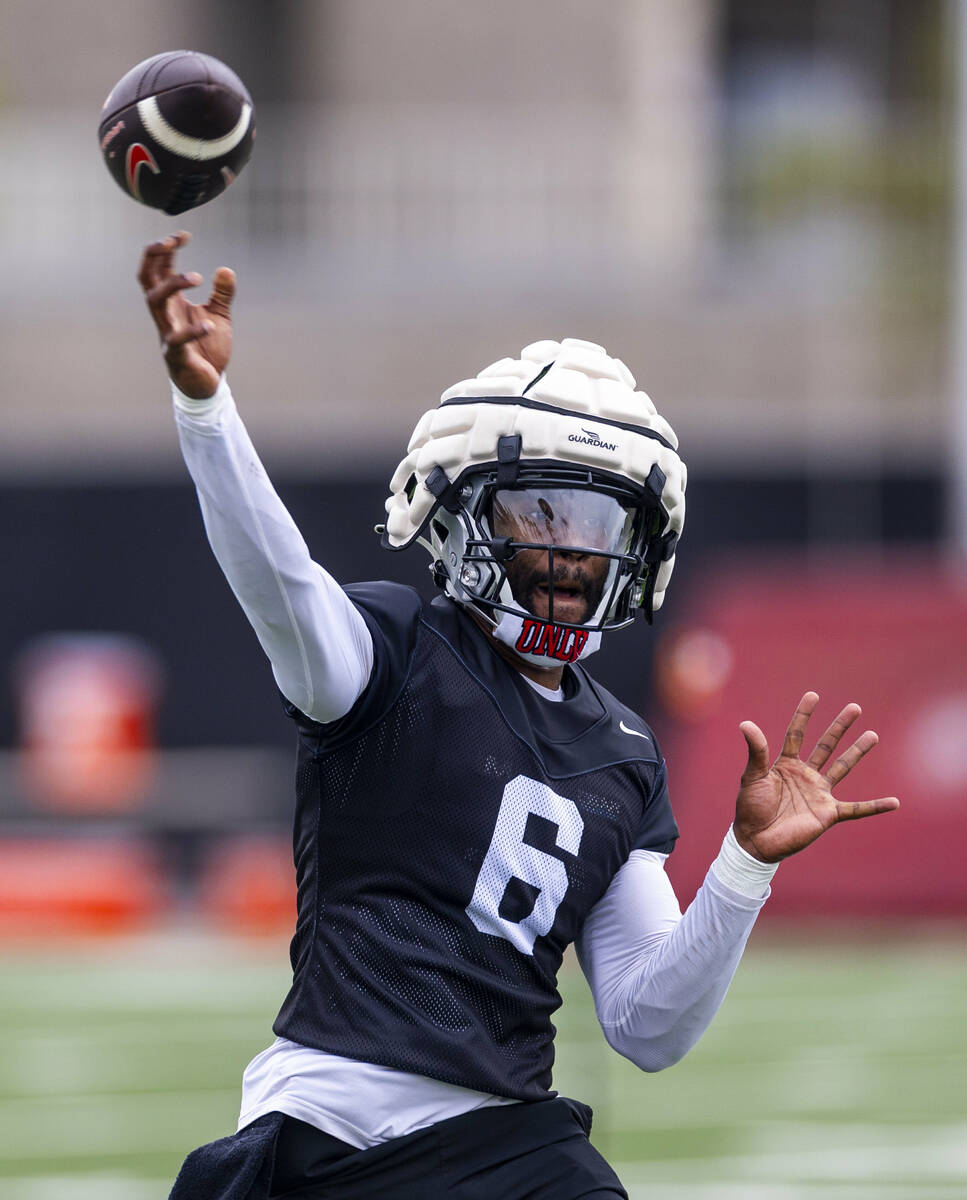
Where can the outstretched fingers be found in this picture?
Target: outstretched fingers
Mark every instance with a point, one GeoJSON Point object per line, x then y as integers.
{"type": "Point", "coordinates": [152, 266]}
{"type": "Point", "coordinates": [849, 758]}
{"type": "Point", "coordinates": [223, 292]}
{"type": "Point", "coordinates": [792, 744]}
{"type": "Point", "coordinates": [160, 283]}
{"type": "Point", "coordinates": [758, 765]}
{"type": "Point", "coordinates": [854, 811]}
{"type": "Point", "coordinates": [158, 259]}
{"type": "Point", "coordinates": [158, 295]}
{"type": "Point", "coordinates": [831, 738]}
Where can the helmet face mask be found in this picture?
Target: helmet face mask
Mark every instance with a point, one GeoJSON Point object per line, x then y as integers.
{"type": "Point", "coordinates": [563, 424]}
{"type": "Point", "coordinates": [566, 548]}
{"type": "Point", "coordinates": [497, 549]}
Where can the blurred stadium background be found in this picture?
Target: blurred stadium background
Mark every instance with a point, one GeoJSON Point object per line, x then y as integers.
{"type": "Point", "coordinates": [758, 207]}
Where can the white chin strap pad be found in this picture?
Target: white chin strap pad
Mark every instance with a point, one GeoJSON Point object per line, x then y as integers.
{"type": "Point", "coordinates": [542, 643]}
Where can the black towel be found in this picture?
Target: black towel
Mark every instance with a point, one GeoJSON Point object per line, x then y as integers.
{"type": "Point", "coordinates": [233, 1168]}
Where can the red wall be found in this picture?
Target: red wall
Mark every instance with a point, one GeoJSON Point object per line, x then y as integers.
{"type": "Point", "coordinates": [891, 635]}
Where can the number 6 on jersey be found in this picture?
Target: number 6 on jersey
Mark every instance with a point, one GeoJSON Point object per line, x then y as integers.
{"type": "Point", "coordinates": [510, 857]}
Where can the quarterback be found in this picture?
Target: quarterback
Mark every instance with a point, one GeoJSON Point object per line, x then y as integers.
{"type": "Point", "coordinates": [469, 802]}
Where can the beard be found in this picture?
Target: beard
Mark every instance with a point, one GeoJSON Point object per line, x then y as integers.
{"type": "Point", "coordinates": [577, 589]}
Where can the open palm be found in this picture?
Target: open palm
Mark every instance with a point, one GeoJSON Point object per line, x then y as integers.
{"type": "Point", "coordinates": [783, 807]}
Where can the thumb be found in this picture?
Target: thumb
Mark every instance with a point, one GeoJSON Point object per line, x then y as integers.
{"type": "Point", "coordinates": [758, 765]}
{"type": "Point", "coordinates": [223, 292]}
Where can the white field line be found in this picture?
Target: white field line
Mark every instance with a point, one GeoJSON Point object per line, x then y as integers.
{"type": "Point", "coordinates": [122, 1125]}
{"type": "Point", "coordinates": [924, 1156]}
{"type": "Point", "coordinates": [739, 1100]}
{"type": "Point", "coordinates": [740, 1012]}
{"type": "Point", "coordinates": [93, 1187]}
{"type": "Point", "coordinates": [159, 992]}
{"type": "Point", "coordinates": [182, 1028]}
{"type": "Point", "coordinates": [640, 1187]}
{"type": "Point", "coordinates": [119, 1187]}
{"type": "Point", "coordinates": [800, 1057]}
{"type": "Point", "coordinates": [83, 975]}
{"type": "Point", "coordinates": [116, 1187]}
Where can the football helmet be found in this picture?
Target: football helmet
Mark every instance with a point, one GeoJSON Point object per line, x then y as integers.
{"type": "Point", "coordinates": [555, 459]}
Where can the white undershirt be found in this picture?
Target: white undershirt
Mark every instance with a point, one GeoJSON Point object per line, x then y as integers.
{"type": "Point", "coordinates": [657, 977]}
{"type": "Point", "coordinates": [552, 694]}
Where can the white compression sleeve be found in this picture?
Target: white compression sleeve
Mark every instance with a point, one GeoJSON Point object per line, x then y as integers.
{"type": "Point", "coordinates": [658, 977]}
{"type": "Point", "coordinates": [318, 644]}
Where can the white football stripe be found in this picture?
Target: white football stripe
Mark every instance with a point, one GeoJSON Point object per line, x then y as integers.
{"type": "Point", "coordinates": [199, 149]}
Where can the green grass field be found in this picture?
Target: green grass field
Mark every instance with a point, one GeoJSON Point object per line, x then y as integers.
{"type": "Point", "coordinates": [836, 1071]}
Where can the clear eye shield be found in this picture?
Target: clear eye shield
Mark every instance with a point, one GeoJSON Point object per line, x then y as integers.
{"type": "Point", "coordinates": [574, 520]}
{"type": "Point", "coordinates": [562, 550]}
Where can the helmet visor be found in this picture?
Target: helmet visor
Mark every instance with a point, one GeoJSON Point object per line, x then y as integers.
{"type": "Point", "coordinates": [584, 532]}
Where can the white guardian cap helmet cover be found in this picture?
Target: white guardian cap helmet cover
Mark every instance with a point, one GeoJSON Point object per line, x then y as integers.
{"type": "Point", "coordinates": [565, 415]}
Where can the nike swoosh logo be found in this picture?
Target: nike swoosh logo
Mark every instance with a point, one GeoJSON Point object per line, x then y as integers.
{"type": "Point", "coordinates": [634, 732]}
{"type": "Point", "coordinates": [138, 156]}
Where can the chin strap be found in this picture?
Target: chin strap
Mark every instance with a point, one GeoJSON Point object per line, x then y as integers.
{"type": "Point", "coordinates": [542, 642]}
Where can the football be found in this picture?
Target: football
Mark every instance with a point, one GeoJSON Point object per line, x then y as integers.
{"type": "Point", "coordinates": [176, 130]}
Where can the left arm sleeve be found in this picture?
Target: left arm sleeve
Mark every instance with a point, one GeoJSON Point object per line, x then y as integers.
{"type": "Point", "coordinates": [658, 977]}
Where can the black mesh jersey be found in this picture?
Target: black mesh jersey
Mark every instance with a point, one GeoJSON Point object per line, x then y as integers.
{"type": "Point", "coordinates": [452, 833]}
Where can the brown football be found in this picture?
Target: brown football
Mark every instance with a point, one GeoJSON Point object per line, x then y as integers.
{"type": "Point", "coordinates": [176, 130]}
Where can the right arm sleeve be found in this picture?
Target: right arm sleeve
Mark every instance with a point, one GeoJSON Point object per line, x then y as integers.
{"type": "Point", "coordinates": [658, 977]}
{"type": "Point", "coordinates": [316, 640]}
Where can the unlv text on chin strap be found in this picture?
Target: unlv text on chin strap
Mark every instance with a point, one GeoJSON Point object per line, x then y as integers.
{"type": "Point", "coordinates": [545, 643]}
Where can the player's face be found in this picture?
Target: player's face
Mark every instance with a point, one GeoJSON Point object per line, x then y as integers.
{"type": "Point", "coordinates": [575, 517]}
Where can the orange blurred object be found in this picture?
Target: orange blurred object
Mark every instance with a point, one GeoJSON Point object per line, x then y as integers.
{"type": "Point", "coordinates": [249, 885]}
{"type": "Point", "coordinates": [87, 715]}
{"type": "Point", "coordinates": [692, 668]}
{"type": "Point", "coordinates": [72, 886]}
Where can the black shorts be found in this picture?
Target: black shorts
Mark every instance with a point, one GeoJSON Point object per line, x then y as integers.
{"type": "Point", "coordinates": [534, 1151]}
